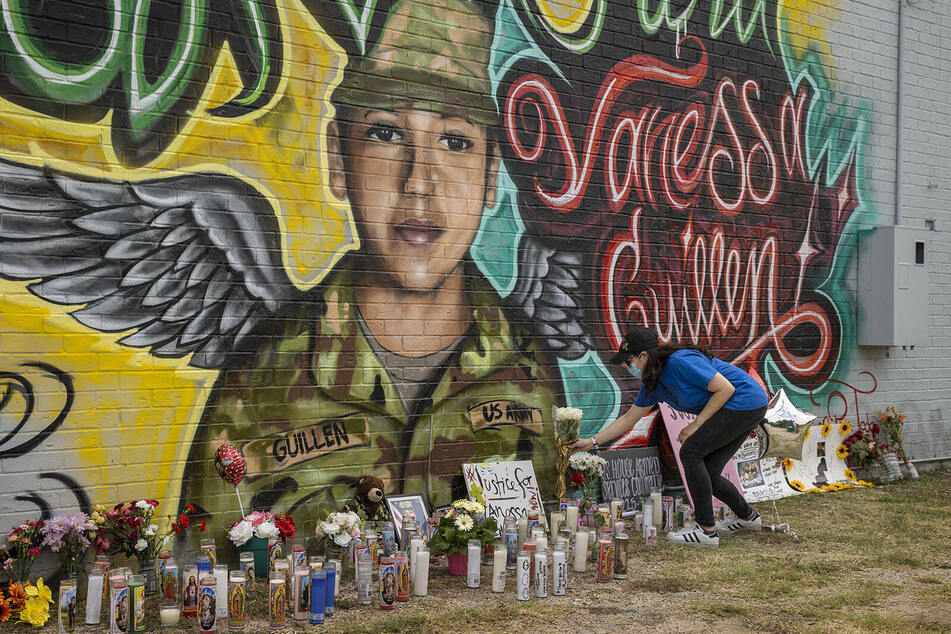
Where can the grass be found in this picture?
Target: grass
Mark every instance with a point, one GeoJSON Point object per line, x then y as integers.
{"type": "Point", "coordinates": [868, 560]}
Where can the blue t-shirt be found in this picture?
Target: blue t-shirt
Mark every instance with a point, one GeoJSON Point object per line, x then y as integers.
{"type": "Point", "coordinates": [684, 380]}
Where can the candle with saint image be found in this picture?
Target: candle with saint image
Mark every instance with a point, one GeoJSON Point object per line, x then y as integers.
{"type": "Point", "coordinates": [617, 505]}
{"type": "Point", "coordinates": [421, 572]}
{"type": "Point", "coordinates": [581, 551]}
{"type": "Point", "coordinates": [571, 516]}
{"type": "Point", "coordinates": [301, 593]}
{"type": "Point", "coordinates": [498, 566]}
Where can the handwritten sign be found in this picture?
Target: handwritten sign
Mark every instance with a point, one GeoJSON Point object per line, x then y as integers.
{"type": "Point", "coordinates": [630, 474]}
{"type": "Point", "coordinates": [509, 488]}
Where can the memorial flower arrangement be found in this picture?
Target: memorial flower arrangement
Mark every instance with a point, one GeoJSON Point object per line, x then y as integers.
{"type": "Point", "coordinates": [586, 472]}
{"type": "Point", "coordinates": [69, 537]}
{"type": "Point", "coordinates": [892, 423]}
{"type": "Point", "coordinates": [130, 528]}
{"type": "Point", "coordinates": [863, 448]}
{"type": "Point", "coordinates": [339, 528]}
{"type": "Point", "coordinates": [29, 603]}
{"type": "Point", "coordinates": [463, 521]}
{"type": "Point", "coordinates": [567, 423]}
{"type": "Point", "coordinates": [23, 545]}
{"type": "Point", "coordinates": [255, 524]}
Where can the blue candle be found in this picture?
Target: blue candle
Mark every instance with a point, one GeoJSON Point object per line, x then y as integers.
{"type": "Point", "coordinates": [329, 588]}
{"type": "Point", "coordinates": [318, 591]}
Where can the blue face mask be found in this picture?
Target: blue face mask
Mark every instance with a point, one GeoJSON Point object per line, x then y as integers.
{"type": "Point", "coordinates": [633, 370]}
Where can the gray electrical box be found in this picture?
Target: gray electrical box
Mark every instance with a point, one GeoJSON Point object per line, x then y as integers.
{"type": "Point", "coordinates": [893, 286]}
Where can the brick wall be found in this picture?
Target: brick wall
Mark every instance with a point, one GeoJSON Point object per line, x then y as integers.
{"type": "Point", "coordinates": [390, 242]}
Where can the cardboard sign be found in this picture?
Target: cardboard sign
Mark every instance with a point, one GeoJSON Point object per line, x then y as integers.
{"type": "Point", "coordinates": [630, 474]}
{"type": "Point", "coordinates": [509, 488]}
{"type": "Point", "coordinates": [675, 421]}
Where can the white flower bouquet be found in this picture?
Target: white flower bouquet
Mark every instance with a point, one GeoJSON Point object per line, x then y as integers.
{"type": "Point", "coordinates": [340, 528]}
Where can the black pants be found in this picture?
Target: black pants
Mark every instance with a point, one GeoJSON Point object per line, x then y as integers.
{"type": "Point", "coordinates": [705, 454]}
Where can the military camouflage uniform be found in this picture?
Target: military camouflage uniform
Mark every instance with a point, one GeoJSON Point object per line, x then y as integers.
{"type": "Point", "coordinates": [317, 409]}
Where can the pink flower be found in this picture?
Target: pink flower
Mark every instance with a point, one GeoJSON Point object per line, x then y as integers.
{"type": "Point", "coordinates": [34, 551]}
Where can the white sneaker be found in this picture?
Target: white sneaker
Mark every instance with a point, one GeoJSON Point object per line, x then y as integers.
{"type": "Point", "coordinates": [732, 525]}
{"type": "Point", "coordinates": [693, 536]}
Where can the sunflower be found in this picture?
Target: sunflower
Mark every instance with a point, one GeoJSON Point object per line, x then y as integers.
{"type": "Point", "coordinates": [5, 611]}
{"type": "Point", "coordinates": [845, 427]}
{"type": "Point", "coordinates": [826, 428]}
{"type": "Point", "coordinates": [850, 474]}
{"type": "Point", "coordinates": [842, 451]}
{"type": "Point", "coordinates": [796, 484]}
{"type": "Point", "coordinates": [788, 464]}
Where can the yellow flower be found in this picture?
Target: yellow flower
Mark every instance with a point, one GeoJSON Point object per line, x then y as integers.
{"type": "Point", "coordinates": [788, 463]}
{"type": "Point", "coordinates": [39, 591]}
{"type": "Point", "coordinates": [865, 484]}
{"type": "Point", "coordinates": [813, 490]}
{"type": "Point", "coordinates": [796, 484]}
{"type": "Point", "coordinates": [808, 431]}
{"type": "Point", "coordinates": [842, 451]}
{"type": "Point", "coordinates": [826, 428]}
{"type": "Point", "coordinates": [850, 474]}
{"type": "Point", "coordinates": [845, 427]}
{"type": "Point", "coordinates": [35, 612]}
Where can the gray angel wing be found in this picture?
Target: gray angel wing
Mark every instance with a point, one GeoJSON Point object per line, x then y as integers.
{"type": "Point", "coordinates": [546, 294]}
{"type": "Point", "coordinates": [192, 264]}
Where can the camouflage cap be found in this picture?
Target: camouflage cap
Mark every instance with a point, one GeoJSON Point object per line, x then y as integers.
{"type": "Point", "coordinates": [431, 55]}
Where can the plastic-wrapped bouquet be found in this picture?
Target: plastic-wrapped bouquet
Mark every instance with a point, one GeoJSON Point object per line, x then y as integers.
{"type": "Point", "coordinates": [567, 422]}
{"type": "Point", "coordinates": [340, 528]}
{"type": "Point", "coordinates": [586, 472]}
{"type": "Point", "coordinates": [255, 524]}
{"type": "Point", "coordinates": [24, 543]}
{"type": "Point", "coordinates": [69, 537]}
{"type": "Point", "coordinates": [130, 528]}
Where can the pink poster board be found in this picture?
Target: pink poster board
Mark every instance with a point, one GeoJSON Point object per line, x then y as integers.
{"type": "Point", "coordinates": [674, 422]}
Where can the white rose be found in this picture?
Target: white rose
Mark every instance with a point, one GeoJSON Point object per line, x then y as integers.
{"type": "Point", "coordinates": [266, 530]}
{"type": "Point", "coordinates": [342, 539]}
{"type": "Point", "coordinates": [331, 529]}
{"type": "Point", "coordinates": [141, 545]}
{"type": "Point", "coordinates": [241, 532]}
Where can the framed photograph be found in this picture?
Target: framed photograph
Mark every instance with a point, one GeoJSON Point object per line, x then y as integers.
{"type": "Point", "coordinates": [401, 506]}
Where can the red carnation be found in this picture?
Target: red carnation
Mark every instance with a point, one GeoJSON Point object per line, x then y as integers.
{"type": "Point", "coordinates": [154, 503]}
{"type": "Point", "coordinates": [201, 526]}
{"type": "Point", "coordinates": [875, 428]}
{"type": "Point", "coordinates": [191, 508]}
{"type": "Point", "coordinates": [577, 478]}
{"type": "Point", "coordinates": [285, 524]}
{"type": "Point", "coordinates": [176, 528]}
{"type": "Point", "coordinates": [34, 551]}
{"type": "Point", "coordinates": [183, 520]}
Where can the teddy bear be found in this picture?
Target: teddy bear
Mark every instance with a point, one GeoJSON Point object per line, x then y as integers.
{"type": "Point", "coordinates": [367, 501]}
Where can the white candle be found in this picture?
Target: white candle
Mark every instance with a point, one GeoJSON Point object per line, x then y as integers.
{"type": "Point", "coordinates": [414, 545]}
{"type": "Point", "coordinates": [522, 531]}
{"type": "Point", "coordinates": [571, 518]}
{"type": "Point", "coordinates": [581, 550]}
{"type": "Point", "coordinates": [648, 516]}
{"type": "Point", "coordinates": [473, 563]}
{"type": "Point", "coordinates": [169, 614]}
{"type": "Point", "coordinates": [498, 568]}
{"type": "Point", "coordinates": [658, 519]}
{"type": "Point", "coordinates": [94, 599]}
{"type": "Point", "coordinates": [339, 570]}
{"type": "Point", "coordinates": [421, 573]}
{"type": "Point", "coordinates": [616, 507]}
{"type": "Point", "coordinates": [557, 519]}
{"type": "Point", "coordinates": [559, 566]}
{"type": "Point", "coordinates": [221, 590]}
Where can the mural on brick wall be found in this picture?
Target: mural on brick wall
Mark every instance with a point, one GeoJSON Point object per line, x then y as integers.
{"type": "Point", "coordinates": [389, 237]}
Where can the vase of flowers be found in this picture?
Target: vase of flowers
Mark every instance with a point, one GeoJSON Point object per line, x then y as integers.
{"type": "Point", "coordinates": [68, 537]}
{"type": "Point", "coordinates": [252, 533]}
{"type": "Point", "coordinates": [24, 544]}
{"type": "Point", "coordinates": [130, 528]}
{"type": "Point", "coordinates": [463, 521]}
{"type": "Point", "coordinates": [567, 423]}
{"type": "Point", "coordinates": [866, 454]}
{"type": "Point", "coordinates": [586, 470]}
{"type": "Point", "coordinates": [338, 532]}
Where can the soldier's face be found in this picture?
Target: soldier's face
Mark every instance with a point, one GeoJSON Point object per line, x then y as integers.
{"type": "Point", "coordinates": [417, 182]}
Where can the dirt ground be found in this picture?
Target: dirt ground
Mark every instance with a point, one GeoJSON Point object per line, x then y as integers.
{"type": "Point", "coordinates": [862, 560]}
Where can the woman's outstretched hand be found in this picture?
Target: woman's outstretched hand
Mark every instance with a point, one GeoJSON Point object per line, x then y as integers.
{"type": "Point", "coordinates": [582, 444]}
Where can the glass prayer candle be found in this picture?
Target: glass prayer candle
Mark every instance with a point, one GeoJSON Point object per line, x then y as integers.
{"type": "Point", "coordinates": [209, 550]}
{"type": "Point", "coordinates": [277, 599]}
{"type": "Point", "coordinates": [318, 594]}
{"type": "Point", "coordinates": [67, 605]}
{"type": "Point", "coordinates": [301, 594]}
{"type": "Point", "coordinates": [420, 572]}
{"type": "Point", "coordinates": [118, 604]}
{"type": "Point", "coordinates": [137, 603]}
{"type": "Point", "coordinates": [333, 575]}
{"type": "Point", "coordinates": [208, 604]}
{"type": "Point", "coordinates": [237, 600]}
{"type": "Point", "coordinates": [221, 589]}
{"type": "Point", "coordinates": [94, 594]}
{"type": "Point", "coordinates": [246, 563]}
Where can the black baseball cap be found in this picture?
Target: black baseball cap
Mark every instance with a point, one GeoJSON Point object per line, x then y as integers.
{"type": "Point", "coordinates": [636, 341]}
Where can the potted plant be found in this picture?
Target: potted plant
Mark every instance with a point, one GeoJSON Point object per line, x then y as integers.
{"type": "Point", "coordinates": [463, 521]}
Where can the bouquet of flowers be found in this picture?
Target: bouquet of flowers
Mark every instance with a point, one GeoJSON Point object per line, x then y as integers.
{"type": "Point", "coordinates": [128, 528]}
{"type": "Point", "coordinates": [24, 543]}
{"type": "Point", "coordinates": [285, 525]}
{"type": "Point", "coordinates": [863, 448]}
{"type": "Point", "coordinates": [586, 471]}
{"type": "Point", "coordinates": [255, 524]}
{"type": "Point", "coordinates": [340, 528]}
{"type": "Point", "coordinates": [29, 602]}
{"type": "Point", "coordinates": [462, 522]}
{"type": "Point", "coordinates": [68, 537]}
{"type": "Point", "coordinates": [567, 422]}
{"type": "Point", "coordinates": [892, 422]}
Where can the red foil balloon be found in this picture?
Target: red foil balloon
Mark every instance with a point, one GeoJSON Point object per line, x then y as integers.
{"type": "Point", "coordinates": [230, 464]}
